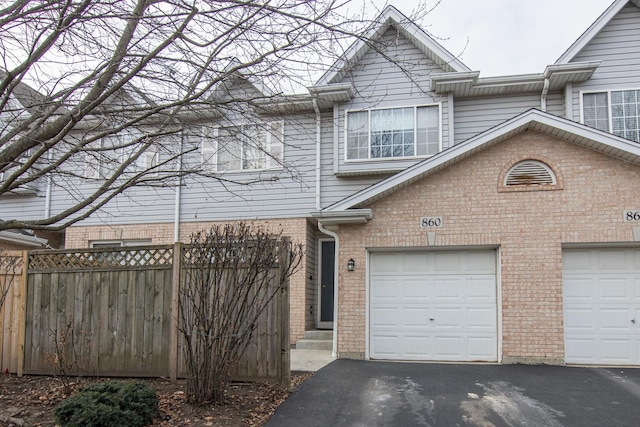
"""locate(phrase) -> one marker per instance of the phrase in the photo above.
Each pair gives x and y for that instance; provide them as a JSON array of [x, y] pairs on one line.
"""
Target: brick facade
[[529, 228], [159, 234]]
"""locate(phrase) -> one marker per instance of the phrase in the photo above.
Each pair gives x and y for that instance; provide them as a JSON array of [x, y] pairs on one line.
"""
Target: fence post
[[22, 312], [175, 311], [283, 308]]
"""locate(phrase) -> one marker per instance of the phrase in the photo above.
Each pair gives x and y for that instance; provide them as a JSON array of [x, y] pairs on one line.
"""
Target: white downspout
[[176, 208], [543, 97], [334, 351], [318, 139], [47, 199]]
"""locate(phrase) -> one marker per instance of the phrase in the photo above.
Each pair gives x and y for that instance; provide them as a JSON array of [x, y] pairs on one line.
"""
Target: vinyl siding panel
[[22, 207], [476, 115], [618, 47]]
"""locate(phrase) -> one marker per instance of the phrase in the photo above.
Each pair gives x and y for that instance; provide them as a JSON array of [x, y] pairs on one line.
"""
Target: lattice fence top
[[91, 259]]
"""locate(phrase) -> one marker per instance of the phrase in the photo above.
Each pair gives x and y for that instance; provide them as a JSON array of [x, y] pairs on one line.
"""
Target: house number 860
[[431, 221]]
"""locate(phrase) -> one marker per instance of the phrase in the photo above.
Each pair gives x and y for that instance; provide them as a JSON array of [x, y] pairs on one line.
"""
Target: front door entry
[[327, 276]]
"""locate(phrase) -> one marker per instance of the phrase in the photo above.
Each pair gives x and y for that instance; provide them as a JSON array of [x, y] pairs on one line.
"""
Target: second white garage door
[[601, 306], [433, 306]]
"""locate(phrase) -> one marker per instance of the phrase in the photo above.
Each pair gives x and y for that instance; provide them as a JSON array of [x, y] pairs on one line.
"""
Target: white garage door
[[433, 306], [601, 306]]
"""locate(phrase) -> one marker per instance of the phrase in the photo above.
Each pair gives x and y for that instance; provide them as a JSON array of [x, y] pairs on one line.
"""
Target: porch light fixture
[[351, 264]]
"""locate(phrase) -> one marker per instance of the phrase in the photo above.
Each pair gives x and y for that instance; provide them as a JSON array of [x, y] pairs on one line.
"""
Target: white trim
[[499, 301], [336, 322], [415, 132], [367, 306], [450, 118], [592, 31]]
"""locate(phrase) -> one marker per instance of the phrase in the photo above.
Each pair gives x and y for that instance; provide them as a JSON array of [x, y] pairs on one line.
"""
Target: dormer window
[[393, 133]]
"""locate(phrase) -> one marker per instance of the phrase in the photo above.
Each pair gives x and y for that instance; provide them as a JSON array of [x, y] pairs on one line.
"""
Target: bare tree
[[232, 274], [96, 95]]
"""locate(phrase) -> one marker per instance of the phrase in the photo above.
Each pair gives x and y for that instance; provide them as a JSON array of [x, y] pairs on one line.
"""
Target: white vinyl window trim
[[382, 133], [614, 111], [243, 148]]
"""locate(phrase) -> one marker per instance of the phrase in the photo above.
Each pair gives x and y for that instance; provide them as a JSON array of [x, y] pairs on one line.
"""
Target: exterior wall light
[[351, 264]]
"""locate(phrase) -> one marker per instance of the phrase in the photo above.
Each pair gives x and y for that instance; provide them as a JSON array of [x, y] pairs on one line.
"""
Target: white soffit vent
[[530, 172]]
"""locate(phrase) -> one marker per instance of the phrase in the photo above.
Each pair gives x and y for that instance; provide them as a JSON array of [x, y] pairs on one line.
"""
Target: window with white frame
[[244, 148], [616, 111], [393, 133]]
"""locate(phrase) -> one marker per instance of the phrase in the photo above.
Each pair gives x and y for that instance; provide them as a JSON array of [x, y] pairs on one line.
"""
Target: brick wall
[[528, 227], [159, 234]]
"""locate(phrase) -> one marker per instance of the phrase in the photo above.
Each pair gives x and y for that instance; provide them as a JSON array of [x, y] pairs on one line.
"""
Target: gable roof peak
[[390, 16], [595, 28]]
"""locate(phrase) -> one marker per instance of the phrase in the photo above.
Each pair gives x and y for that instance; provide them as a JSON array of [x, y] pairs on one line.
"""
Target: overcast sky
[[507, 36]]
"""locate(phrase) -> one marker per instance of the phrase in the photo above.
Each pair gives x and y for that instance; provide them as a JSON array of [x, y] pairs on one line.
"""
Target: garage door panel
[[385, 316], [481, 319], [615, 319], [611, 289], [616, 351], [480, 289], [448, 318], [414, 317], [580, 319], [601, 294], [439, 301], [481, 348]]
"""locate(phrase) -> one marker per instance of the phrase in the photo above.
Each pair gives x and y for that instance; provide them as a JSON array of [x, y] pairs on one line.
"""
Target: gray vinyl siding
[[618, 47], [397, 78], [555, 103], [288, 193], [476, 115], [22, 207], [334, 188]]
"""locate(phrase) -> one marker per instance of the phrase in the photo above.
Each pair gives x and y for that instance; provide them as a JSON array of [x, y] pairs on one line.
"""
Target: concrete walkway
[[309, 360], [364, 393]]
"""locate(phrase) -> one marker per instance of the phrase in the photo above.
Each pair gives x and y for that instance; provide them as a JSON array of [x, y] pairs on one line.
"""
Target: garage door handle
[[633, 321], [432, 319]]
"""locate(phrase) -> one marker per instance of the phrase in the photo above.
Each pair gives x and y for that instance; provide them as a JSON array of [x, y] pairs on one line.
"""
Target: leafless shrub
[[232, 274]]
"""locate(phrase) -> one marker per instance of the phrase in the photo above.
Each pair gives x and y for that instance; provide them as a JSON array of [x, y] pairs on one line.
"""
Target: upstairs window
[[393, 133], [617, 112], [244, 148]]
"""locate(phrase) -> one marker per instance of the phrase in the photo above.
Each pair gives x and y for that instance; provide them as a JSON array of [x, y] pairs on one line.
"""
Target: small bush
[[111, 403]]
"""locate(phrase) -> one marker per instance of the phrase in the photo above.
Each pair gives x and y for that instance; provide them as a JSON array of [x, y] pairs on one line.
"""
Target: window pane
[[229, 149], [625, 114], [596, 110], [357, 135], [428, 133], [254, 142]]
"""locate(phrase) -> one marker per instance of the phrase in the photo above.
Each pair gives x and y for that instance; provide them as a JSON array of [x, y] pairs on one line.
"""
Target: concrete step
[[314, 345], [318, 335]]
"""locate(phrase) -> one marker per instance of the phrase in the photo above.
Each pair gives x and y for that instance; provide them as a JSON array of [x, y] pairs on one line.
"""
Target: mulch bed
[[30, 401]]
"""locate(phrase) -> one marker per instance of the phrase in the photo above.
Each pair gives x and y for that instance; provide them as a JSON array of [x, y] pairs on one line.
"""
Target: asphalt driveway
[[361, 393]]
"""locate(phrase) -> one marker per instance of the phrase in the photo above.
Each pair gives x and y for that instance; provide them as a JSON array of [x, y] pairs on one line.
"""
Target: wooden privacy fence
[[114, 312]]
